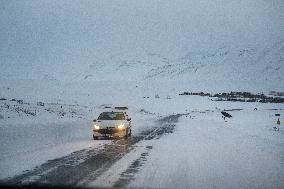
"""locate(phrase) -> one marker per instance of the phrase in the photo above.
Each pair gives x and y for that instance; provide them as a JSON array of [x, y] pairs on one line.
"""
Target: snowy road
[[82, 167]]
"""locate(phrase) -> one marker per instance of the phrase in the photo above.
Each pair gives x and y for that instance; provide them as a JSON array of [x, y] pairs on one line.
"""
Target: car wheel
[[95, 137]]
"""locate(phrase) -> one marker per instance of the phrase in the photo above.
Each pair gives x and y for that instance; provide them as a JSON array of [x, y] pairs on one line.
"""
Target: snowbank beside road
[[206, 152]]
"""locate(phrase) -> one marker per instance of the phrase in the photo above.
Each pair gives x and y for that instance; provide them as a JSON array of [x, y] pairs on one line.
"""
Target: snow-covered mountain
[[207, 43]]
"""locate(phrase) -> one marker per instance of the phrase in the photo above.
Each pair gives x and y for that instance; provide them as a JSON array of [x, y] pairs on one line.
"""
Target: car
[[112, 124]]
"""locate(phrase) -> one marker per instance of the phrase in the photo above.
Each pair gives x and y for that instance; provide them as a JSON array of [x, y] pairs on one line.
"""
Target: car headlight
[[96, 127], [121, 126]]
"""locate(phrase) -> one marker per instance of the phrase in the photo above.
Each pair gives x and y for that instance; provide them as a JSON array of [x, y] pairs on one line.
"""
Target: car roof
[[114, 112]]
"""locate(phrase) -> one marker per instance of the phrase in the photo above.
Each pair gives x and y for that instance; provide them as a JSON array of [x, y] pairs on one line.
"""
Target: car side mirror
[[129, 119], [94, 120]]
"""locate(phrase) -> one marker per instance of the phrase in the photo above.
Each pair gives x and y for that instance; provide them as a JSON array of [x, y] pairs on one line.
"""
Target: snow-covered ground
[[64, 126], [202, 149]]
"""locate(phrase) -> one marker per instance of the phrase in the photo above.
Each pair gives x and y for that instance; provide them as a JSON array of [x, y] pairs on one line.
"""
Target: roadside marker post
[[277, 127]]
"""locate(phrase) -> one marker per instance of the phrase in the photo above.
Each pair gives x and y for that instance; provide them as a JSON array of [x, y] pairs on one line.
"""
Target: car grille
[[108, 130]]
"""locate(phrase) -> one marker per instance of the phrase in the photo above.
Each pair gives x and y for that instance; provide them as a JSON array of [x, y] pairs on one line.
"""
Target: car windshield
[[111, 116]]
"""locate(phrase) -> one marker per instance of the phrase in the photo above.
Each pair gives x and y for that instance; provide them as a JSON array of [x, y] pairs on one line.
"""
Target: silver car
[[112, 124]]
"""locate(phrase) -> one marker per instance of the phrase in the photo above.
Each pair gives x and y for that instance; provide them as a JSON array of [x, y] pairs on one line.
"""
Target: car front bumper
[[114, 132]]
